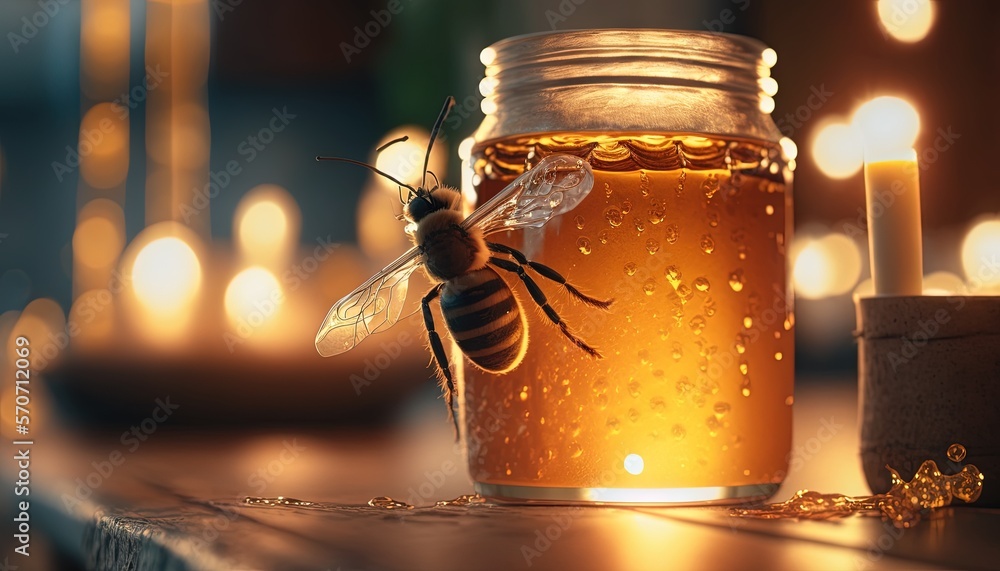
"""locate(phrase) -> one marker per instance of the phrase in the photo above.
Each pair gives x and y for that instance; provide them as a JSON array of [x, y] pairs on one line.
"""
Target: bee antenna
[[391, 143], [437, 182], [448, 104], [369, 167]]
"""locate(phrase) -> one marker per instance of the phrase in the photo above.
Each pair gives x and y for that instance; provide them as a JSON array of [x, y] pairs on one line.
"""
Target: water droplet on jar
[[657, 404], [769, 210], [583, 244], [707, 244], [524, 394], [671, 233], [713, 425], [614, 216], [679, 432], [649, 287], [673, 274], [644, 356], [713, 218], [626, 206], [745, 387], [709, 307], [574, 429], [710, 186], [744, 368], [579, 222], [603, 236], [607, 189], [652, 246], [684, 386], [640, 227], [633, 388], [614, 424], [702, 284], [631, 268], [741, 252], [697, 324], [657, 213], [678, 352], [602, 401], [685, 293], [956, 452], [680, 182], [575, 450], [741, 343], [633, 415], [790, 400], [748, 322], [778, 356], [736, 280], [721, 409]]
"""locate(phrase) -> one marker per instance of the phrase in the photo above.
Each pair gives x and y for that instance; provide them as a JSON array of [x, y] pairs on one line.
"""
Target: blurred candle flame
[[826, 266], [906, 20], [889, 126], [981, 257], [267, 222]]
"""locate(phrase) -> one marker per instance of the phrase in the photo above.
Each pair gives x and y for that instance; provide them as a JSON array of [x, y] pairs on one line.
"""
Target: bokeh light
[[837, 149], [166, 275], [405, 160], [889, 127], [253, 296], [826, 266], [981, 256], [266, 224], [943, 283], [906, 20], [100, 234]]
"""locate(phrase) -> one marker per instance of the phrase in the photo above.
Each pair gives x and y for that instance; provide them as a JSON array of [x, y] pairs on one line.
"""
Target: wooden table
[[175, 502]]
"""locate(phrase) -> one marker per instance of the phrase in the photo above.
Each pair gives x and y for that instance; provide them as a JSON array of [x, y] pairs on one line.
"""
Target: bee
[[481, 312]]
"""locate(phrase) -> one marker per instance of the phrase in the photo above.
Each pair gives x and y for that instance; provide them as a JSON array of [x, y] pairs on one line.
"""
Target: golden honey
[[687, 234], [685, 227]]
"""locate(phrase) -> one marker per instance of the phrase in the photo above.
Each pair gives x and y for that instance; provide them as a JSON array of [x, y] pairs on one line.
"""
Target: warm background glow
[[405, 160], [838, 150], [906, 20], [251, 297], [889, 126], [825, 266], [266, 226], [981, 256], [166, 275]]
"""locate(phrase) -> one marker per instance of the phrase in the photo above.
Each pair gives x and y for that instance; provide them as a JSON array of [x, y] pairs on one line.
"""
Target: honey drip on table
[[902, 505]]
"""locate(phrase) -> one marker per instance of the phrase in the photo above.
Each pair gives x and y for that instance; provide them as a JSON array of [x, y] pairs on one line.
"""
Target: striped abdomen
[[485, 320]]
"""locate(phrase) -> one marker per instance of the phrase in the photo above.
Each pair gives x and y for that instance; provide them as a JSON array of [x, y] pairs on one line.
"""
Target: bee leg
[[539, 296], [440, 357], [549, 273]]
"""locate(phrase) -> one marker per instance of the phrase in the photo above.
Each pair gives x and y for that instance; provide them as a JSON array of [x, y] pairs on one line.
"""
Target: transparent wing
[[554, 186], [374, 306]]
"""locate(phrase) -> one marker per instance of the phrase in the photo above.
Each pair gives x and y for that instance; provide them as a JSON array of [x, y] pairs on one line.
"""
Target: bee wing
[[374, 306], [554, 186]]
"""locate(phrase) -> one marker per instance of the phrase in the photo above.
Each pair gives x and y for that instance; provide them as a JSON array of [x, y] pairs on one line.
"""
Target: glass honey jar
[[685, 228]]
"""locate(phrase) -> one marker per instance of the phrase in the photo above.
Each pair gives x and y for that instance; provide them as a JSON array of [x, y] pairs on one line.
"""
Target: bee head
[[424, 202]]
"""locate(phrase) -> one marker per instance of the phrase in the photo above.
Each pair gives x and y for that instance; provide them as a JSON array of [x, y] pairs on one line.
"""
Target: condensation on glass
[[686, 228]]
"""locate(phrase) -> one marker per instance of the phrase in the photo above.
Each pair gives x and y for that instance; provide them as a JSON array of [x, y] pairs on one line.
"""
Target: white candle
[[892, 191]]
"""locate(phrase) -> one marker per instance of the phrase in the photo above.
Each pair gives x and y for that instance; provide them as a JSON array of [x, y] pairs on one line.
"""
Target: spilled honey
[[902, 505], [387, 503], [277, 501], [463, 500]]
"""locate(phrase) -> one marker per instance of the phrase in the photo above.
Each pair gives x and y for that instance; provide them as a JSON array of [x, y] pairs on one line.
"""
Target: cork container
[[929, 374]]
